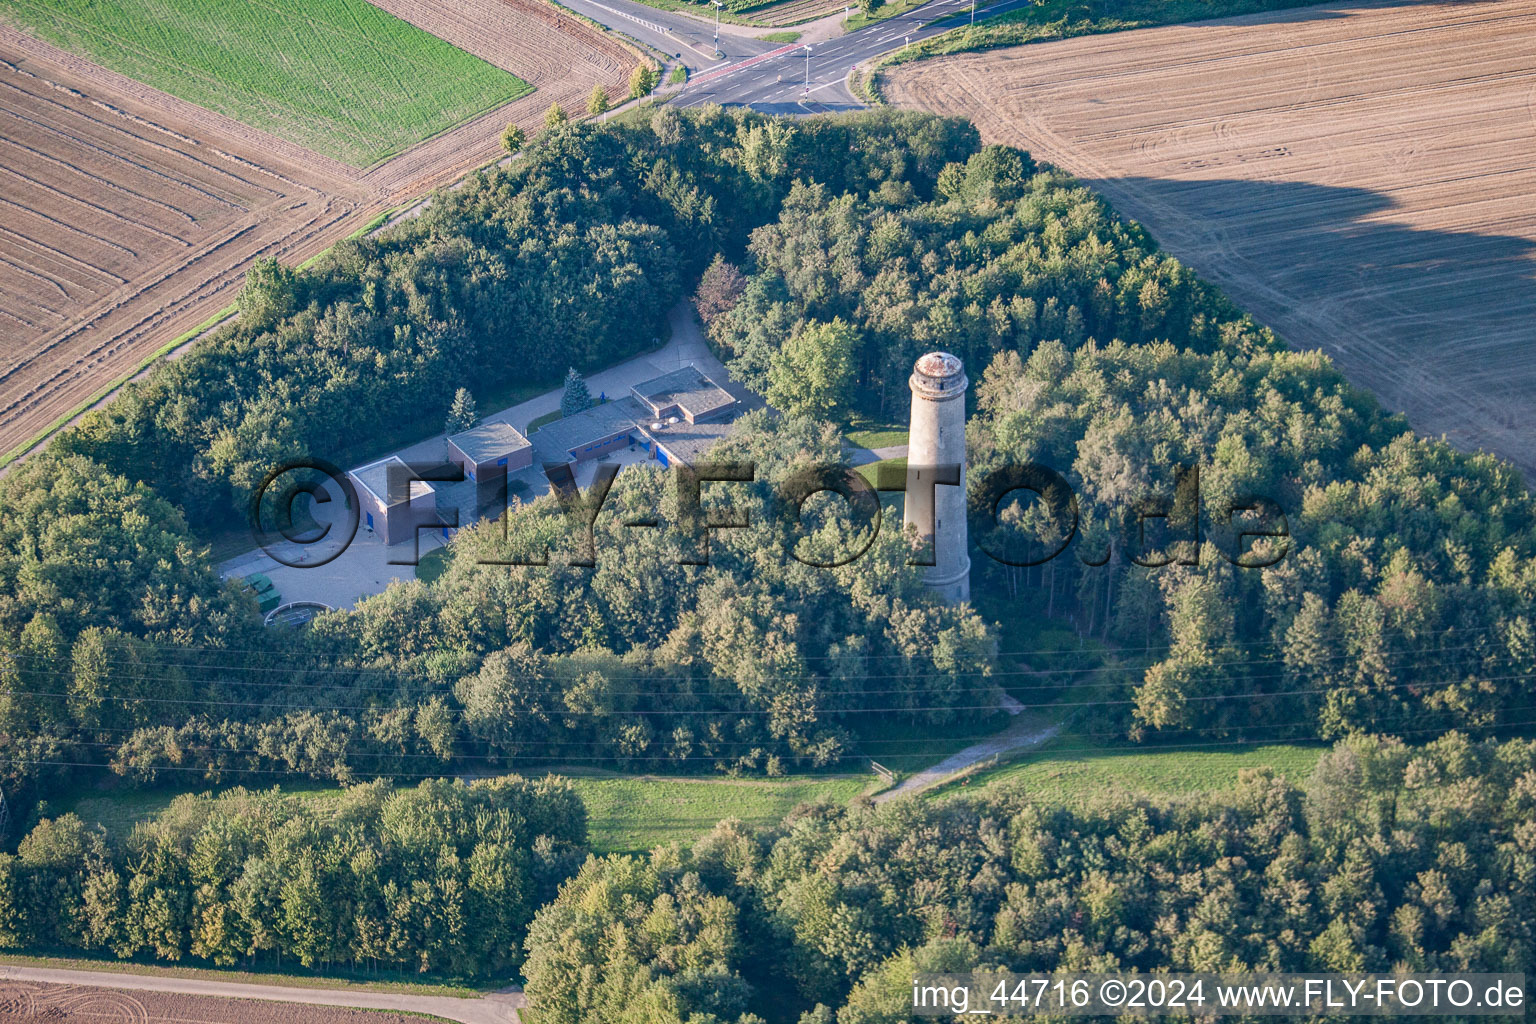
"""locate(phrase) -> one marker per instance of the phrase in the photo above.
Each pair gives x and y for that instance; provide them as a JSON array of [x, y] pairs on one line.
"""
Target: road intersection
[[774, 78]]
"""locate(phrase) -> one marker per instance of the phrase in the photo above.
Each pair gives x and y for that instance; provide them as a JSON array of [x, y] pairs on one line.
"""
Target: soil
[[1358, 177]]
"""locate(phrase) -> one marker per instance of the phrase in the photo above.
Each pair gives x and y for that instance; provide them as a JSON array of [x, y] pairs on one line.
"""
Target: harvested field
[[128, 216], [1357, 177], [343, 78], [795, 12], [530, 39], [28, 1002]]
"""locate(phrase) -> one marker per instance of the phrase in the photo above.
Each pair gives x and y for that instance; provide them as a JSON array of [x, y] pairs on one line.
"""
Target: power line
[[747, 745], [222, 770], [403, 679], [209, 702], [1054, 652]]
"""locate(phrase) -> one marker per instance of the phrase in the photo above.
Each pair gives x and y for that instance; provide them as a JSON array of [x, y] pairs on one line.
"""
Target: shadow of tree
[[1440, 324]]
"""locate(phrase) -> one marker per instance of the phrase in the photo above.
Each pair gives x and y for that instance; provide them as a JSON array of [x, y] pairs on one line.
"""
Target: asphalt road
[[790, 80], [772, 77], [692, 39]]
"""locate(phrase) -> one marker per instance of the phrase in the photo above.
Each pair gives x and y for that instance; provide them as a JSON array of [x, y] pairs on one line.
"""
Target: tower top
[[939, 375]]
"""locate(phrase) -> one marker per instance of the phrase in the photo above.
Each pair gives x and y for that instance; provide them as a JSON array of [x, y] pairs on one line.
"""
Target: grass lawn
[[874, 433], [625, 814], [538, 421], [870, 471], [905, 748], [341, 77], [887, 10], [1067, 772], [1045, 20], [633, 814], [781, 37], [432, 565]]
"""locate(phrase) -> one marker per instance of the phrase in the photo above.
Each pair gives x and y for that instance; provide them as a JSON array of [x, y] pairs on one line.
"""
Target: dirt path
[[498, 1008], [1025, 732]]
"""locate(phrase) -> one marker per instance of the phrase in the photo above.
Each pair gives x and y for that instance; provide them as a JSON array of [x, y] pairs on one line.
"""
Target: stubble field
[[1357, 177], [27, 1002], [343, 78], [129, 216]]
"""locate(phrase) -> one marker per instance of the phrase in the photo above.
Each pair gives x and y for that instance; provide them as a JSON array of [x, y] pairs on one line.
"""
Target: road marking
[[638, 21], [743, 65]]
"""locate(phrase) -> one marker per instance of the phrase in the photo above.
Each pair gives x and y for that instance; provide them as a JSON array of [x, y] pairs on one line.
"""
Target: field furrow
[[128, 216], [1358, 177]]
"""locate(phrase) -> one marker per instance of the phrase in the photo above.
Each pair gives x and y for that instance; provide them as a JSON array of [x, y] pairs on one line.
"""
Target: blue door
[[370, 520], [661, 455]]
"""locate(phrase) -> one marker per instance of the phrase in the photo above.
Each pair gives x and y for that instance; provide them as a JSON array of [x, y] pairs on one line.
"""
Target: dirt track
[[1360, 178], [128, 217], [29, 1003]]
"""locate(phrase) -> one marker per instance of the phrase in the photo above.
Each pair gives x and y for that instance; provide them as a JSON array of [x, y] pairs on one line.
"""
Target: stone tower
[[938, 440]]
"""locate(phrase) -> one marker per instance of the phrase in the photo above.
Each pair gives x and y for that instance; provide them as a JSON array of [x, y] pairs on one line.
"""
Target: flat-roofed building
[[391, 503], [589, 434], [685, 393], [674, 417], [484, 448]]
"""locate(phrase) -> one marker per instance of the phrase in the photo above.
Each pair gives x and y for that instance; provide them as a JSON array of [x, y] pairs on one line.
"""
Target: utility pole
[[718, 5], [807, 69], [973, 13]]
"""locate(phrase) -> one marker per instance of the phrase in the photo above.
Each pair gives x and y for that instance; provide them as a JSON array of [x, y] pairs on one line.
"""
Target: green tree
[[813, 373], [513, 138], [642, 80], [554, 117], [576, 398], [461, 414], [271, 292], [597, 100]]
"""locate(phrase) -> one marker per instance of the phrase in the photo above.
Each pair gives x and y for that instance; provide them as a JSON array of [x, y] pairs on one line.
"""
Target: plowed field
[[25, 1002], [1360, 178], [129, 216]]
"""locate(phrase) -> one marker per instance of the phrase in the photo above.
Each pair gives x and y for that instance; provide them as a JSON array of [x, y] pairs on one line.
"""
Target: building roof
[[490, 441], [554, 441], [374, 478], [688, 441], [686, 388], [939, 364]]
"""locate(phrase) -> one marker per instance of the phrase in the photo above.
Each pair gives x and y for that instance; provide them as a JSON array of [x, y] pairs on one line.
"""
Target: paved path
[[1024, 733], [864, 456], [496, 1008]]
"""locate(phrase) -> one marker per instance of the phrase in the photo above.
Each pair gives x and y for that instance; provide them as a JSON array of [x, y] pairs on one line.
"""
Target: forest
[[1391, 856], [847, 247], [441, 878], [824, 255]]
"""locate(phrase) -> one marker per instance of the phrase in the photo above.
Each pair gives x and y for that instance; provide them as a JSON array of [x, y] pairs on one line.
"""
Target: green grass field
[[1062, 772], [341, 77], [626, 814]]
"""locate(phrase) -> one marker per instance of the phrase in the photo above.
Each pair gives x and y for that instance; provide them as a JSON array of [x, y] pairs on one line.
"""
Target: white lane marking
[[638, 21], [743, 65]]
